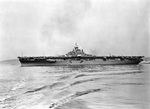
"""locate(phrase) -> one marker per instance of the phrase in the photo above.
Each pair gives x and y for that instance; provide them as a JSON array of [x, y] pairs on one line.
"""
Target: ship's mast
[[76, 46]]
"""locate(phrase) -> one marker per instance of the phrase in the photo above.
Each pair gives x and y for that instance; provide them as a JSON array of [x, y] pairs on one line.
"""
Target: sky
[[52, 27]]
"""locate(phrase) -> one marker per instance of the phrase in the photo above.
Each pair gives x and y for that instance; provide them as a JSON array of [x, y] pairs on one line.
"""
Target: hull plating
[[78, 57], [69, 62]]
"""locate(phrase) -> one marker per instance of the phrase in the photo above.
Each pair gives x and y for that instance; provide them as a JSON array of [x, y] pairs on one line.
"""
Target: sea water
[[73, 87]]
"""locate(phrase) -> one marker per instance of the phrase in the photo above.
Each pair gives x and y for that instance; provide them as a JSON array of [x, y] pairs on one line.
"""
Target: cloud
[[99, 26], [64, 19]]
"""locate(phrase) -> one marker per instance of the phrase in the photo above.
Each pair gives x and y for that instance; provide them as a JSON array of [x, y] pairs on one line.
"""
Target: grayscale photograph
[[74, 54]]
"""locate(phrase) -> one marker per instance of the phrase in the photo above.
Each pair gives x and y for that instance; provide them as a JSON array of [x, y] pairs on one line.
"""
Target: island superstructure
[[78, 57]]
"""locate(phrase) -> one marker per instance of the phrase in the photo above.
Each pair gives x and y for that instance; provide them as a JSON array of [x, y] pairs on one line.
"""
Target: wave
[[129, 84], [71, 97], [75, 104], [52, 86], [83, 81], [35, 90], [80, 75], [109, 73]]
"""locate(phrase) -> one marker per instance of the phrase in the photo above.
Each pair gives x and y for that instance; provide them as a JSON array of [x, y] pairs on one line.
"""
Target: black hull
[[79, 57], [77, 61]]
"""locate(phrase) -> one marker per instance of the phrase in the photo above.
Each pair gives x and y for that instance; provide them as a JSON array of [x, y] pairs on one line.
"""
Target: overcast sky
[[52, 27]]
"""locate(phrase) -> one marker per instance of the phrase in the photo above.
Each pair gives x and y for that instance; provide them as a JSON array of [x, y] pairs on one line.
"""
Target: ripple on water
[[72, 97], [52, 86], [75, 104]]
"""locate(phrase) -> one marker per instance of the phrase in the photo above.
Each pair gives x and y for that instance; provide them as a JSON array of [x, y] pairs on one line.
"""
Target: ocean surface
[[74, 87]]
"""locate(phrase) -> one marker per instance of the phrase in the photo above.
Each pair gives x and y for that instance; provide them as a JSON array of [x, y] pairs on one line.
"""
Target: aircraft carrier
[[78, 57]]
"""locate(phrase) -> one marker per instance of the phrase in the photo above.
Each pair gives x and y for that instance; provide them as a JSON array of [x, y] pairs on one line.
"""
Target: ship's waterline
[[72, 62]]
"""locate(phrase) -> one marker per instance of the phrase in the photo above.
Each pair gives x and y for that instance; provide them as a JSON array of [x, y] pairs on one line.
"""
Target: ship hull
[[79, 62], [78, 57]]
